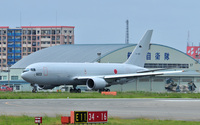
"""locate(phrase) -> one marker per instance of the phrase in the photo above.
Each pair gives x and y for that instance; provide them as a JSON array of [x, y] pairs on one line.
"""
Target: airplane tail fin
[[139, 53]]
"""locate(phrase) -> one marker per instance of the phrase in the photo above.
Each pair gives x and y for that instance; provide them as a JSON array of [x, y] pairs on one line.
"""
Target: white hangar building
[[158, 56]]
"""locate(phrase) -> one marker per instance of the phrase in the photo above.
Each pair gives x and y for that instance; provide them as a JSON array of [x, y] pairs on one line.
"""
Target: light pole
[[99, 54], [8, 75]]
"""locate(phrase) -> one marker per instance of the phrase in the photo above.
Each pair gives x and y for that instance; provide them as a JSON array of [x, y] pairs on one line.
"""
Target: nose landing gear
[[35, 88]]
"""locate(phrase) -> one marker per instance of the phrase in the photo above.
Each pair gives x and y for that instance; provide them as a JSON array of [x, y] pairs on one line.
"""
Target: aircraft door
[[45, 71]]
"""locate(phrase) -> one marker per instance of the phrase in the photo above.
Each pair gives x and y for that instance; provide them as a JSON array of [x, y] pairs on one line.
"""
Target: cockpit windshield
[[33, 69], [27, 69]]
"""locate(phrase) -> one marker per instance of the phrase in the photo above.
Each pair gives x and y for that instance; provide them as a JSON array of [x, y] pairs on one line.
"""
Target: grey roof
[[70, 53], [74, 53]]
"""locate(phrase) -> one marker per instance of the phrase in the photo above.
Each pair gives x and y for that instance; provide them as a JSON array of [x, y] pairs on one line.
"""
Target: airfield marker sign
[[81, 117], [38, 120], [97, 116]]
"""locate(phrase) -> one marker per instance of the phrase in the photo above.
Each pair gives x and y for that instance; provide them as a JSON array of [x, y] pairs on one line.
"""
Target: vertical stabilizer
[[139, 53]]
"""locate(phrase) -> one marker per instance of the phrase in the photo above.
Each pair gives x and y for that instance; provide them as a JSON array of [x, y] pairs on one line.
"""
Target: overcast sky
[[103, 21]]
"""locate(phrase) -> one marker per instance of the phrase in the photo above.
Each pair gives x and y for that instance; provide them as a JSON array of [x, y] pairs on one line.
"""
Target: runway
[[168, 109]]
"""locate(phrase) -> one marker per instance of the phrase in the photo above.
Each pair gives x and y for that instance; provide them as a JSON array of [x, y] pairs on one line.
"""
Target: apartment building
[[16, 43]]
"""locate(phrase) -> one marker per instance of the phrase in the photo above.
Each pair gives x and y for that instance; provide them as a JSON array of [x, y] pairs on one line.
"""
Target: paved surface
[[170, 109]]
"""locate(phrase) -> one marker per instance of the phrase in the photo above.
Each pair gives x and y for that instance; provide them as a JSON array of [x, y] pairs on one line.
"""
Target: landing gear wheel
[[107, 90], [104, 90], [78, 90], [33, 91], [34, 88], [74, 90], [100, 90], [71, 90]]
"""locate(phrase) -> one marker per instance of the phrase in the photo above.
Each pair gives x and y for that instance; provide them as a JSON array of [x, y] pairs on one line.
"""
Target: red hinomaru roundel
[[115, 71]]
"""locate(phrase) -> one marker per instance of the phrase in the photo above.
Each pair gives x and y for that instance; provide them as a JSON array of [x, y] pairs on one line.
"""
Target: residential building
[[16, 43]]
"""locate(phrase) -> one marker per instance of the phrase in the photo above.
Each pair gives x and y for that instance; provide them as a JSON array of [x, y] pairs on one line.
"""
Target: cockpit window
[[26, 70], [33, 69]]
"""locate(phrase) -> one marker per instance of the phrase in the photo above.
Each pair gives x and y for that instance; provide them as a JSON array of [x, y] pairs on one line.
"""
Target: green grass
[[51, 95], [26, 120]]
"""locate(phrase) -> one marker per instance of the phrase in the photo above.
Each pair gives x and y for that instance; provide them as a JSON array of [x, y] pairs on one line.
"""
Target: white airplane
[[96, 76]]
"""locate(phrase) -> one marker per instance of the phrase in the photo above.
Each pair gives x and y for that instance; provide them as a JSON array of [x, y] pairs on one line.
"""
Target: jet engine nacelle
[[96, 83]]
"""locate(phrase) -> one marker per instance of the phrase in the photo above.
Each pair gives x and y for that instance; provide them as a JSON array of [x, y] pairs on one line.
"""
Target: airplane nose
[[25, 76], [28, 77]]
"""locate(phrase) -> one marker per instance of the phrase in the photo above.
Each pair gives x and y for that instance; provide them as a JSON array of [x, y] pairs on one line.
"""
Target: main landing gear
[[74, 90], [104, 90]]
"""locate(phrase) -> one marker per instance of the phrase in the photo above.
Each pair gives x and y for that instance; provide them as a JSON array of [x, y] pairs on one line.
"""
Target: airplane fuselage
[[65, 73]]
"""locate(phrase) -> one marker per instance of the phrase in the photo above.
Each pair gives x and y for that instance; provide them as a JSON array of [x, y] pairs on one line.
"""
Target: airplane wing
[[133, 75], [140, 74], [151, 70]]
